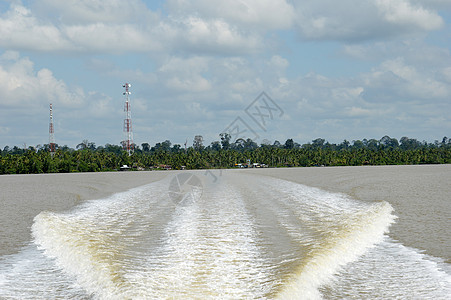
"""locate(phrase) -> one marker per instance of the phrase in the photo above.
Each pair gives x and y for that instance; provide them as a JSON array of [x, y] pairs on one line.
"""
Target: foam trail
[[341, 231], [31, 275], [202, 248], [93, 242], [241, 237], [209, 251], [395, 272], [324, 261]]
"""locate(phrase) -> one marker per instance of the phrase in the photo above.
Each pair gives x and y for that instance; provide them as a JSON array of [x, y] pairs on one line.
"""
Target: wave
[[343, 229], [394, 272], [238, 237], [97, 241]]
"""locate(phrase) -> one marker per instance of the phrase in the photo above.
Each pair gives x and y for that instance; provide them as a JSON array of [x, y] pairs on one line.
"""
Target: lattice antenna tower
[[52, 145], [128, 143]]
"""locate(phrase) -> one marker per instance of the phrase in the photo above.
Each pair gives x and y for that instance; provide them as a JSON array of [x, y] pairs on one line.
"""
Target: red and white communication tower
[[52, 145], [128, 143]]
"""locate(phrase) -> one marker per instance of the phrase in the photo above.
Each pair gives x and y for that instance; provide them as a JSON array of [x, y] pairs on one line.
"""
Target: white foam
[[29, 274], [221, 243], [393, 271], [342, 230], [89, 241], [208, 251]]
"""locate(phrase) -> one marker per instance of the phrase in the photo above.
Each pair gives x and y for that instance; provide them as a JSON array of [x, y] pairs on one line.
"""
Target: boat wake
[[242, 236]]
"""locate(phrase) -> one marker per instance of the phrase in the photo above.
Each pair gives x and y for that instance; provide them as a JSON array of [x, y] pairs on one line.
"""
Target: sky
[[261, 69]]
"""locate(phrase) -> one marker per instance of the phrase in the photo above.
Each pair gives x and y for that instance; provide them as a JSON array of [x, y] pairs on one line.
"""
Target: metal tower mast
[[128, 143], [52, 144]]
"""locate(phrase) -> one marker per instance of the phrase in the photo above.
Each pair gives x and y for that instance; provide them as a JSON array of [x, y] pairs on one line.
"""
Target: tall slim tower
[[52, 144], [128, 143]]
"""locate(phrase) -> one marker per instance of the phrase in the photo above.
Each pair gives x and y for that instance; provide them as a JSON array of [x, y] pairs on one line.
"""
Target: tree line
[[224, 153]]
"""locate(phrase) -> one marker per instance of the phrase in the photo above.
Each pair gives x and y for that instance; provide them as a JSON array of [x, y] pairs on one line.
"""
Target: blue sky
[[353, 70]]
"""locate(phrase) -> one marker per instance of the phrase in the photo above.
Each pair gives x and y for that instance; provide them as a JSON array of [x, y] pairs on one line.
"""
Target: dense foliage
[[224, 154]]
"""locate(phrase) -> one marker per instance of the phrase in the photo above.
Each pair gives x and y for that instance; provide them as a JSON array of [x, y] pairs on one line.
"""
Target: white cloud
[[399, 81], [413, 50], [278, 62], [447, 74], [215, 27], [25, 93], [434, 4], [202, 60], [196, 110], [403, 13], [358, 112], [100, 105], [4, 130], [100, 37], [114, 27], [19, 29], [22, 86], [193, 84], [194, 34], [76, 12], [185, 74], [255, 14], [238, 78], [351, 20]]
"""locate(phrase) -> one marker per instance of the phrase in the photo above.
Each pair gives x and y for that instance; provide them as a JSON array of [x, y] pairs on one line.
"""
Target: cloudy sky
[[349, 70]]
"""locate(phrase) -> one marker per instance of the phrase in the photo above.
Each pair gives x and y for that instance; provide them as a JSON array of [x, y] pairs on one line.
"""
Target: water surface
[[232, 234]]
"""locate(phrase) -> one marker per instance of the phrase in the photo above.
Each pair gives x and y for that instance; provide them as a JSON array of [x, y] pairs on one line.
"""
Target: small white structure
[[124, 168]]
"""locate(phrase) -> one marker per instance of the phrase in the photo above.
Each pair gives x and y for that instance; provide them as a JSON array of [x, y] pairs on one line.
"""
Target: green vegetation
[[224, 154]]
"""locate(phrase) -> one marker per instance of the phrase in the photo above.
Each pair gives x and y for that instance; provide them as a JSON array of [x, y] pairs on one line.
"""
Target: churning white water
[[239, 236]]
